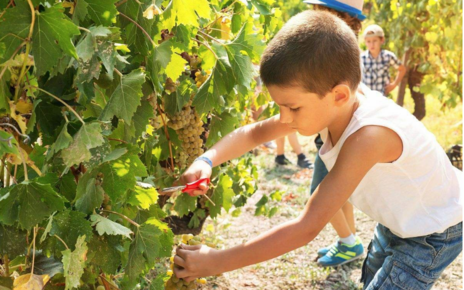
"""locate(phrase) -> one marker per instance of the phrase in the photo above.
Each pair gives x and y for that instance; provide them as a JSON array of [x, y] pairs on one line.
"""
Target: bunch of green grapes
[[201, 77], [190, 135], [175, 283], [181, 119]]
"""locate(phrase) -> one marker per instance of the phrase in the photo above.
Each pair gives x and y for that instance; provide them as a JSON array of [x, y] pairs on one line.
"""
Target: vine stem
[[207, 46], [59, 100], [7, 265], [121, 215], [24, 163], [84, 29], [33, 251], [140, 27], [26, 55], [206, 34], [61, 240], [167, 136], [12, 56]]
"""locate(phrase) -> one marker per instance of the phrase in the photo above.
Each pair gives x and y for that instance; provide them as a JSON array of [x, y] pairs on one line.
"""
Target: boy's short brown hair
[[315, 50]]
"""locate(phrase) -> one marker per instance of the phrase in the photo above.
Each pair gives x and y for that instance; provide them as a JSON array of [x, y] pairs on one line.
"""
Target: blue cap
[[342, 7]]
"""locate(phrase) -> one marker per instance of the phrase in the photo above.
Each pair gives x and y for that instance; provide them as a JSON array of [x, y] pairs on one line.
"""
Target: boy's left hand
[[196, 261], [390, 87]]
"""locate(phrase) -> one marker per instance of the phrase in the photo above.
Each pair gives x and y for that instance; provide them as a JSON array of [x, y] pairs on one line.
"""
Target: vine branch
[[167, 136], [140, 27], [59, 100], [123, 216]]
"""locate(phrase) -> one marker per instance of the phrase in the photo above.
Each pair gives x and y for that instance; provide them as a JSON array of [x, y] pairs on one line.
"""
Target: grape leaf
[[29, 203], [109, 227], [69, 225], [48, 41], [12, 241], [88, 137], [185, 204], [222, 197], [125, 98], [141, 119], [220, 127], [145, 248], [74, 263], [104, 253], [89, 194], [62, 142], [12, 35], [143, 197], [8, 146], [102, 12], [174, 102], [175, 67], [185, 12]]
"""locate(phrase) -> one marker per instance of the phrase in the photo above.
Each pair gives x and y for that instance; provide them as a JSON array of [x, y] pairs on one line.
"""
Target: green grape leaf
[[12, 241], [80, 11], [89, 194], [175, 67], [222, 196], [74, 263], [185, 12], [185, 203], [125, 98], [141, 118], [89, 136], [69, 225], [109, 227], [145, 248], [220, 127], [143, 197], [174, 102], [62, 142], [29, 203], [104, 253], [102, 12], [12, 35], [119, 175], [48, 41]]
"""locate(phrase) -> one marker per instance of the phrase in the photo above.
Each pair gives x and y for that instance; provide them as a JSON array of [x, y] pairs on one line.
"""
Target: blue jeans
[[320, 171], [410, 264]]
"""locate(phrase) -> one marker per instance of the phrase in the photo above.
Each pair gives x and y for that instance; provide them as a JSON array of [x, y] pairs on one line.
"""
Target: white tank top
[[416, 195]]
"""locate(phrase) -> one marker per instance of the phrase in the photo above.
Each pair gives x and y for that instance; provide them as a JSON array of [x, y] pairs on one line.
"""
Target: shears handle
[[195, 184]]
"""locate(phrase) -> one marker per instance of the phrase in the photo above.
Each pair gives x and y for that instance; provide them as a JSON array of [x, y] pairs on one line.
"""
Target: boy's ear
[[342, 94]]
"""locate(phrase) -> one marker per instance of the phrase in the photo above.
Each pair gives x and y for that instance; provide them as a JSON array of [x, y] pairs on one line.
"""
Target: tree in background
[[428, 34]]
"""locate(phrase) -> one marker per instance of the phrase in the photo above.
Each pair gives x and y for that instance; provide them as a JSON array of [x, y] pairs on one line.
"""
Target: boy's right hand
[[199, 169]]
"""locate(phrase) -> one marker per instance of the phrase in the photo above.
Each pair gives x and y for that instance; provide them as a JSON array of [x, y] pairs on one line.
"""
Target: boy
[[378, 156], [377, 62]]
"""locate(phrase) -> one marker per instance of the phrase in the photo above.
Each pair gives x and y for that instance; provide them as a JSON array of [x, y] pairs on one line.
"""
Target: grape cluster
[[201, 77], [189, 127], [175, 283]]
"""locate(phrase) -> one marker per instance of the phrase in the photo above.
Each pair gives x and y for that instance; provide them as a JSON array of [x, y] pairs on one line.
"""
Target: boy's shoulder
[[388, 53]]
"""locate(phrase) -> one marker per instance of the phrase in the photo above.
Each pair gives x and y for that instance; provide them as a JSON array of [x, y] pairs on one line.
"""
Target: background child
[[377, 62], [377, 154], [280, 159]]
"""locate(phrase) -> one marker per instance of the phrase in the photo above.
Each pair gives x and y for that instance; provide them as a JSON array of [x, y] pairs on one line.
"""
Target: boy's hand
[[195, 262], [390, 87], [199, 169]]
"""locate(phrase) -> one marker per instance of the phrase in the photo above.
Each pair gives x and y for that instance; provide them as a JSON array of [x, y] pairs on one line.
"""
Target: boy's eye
[[294, 109]]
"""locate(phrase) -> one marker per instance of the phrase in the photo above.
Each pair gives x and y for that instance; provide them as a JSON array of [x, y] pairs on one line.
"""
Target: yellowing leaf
[[23, 107], [30, 282], [175, 67], [69, 5], [18, 118]]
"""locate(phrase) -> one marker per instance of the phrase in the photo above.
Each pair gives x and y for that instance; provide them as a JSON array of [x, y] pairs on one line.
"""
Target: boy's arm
[[234, 145], [361, 151], [399, 76]]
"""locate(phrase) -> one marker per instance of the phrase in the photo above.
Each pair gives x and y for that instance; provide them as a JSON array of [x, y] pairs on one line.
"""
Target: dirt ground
[[297, 269]]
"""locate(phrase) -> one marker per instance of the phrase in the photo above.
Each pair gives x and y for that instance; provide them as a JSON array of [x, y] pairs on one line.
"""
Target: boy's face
[[306, 112], [374, 43]]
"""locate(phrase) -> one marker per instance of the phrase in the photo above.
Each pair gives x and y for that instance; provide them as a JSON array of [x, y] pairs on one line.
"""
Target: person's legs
[[280, 158], [412, 263], [349, 216], [302, 162]]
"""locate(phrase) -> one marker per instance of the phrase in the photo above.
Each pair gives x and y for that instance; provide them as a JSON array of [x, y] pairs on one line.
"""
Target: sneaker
[[303, 162], [323, 251], [270, 145], [282, 160], [341, 253]]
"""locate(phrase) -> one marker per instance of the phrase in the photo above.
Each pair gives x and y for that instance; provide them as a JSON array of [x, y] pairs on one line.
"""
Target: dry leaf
[[24, 107], [151, 11], [30, 282]]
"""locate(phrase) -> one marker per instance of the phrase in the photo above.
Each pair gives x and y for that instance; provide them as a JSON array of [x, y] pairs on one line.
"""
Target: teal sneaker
[[323, 251], [341, 253]]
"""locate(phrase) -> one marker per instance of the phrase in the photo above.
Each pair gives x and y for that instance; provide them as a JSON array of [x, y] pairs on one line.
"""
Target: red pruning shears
[[188, 187]]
